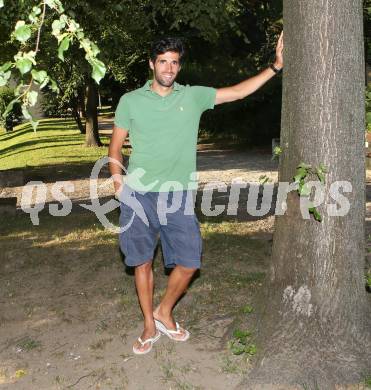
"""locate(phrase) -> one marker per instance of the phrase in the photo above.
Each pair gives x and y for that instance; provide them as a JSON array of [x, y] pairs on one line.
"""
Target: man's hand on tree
[[278, 63]]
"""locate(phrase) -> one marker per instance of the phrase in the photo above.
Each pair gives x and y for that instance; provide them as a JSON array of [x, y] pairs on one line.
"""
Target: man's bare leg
[[177, 284], [144, 285]]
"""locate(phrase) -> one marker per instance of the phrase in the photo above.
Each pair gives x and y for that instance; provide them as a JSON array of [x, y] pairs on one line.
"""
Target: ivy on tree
[[302, 172]]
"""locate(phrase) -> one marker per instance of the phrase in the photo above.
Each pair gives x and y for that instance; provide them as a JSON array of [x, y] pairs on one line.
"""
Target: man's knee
[[145, 267], [187, 271]]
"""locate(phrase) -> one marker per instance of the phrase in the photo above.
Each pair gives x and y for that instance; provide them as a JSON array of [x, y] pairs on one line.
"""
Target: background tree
[[227, 41], [65, 29], [316, 322]]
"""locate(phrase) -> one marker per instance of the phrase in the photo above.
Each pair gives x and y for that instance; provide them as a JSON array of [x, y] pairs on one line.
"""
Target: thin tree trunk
[[9, 123], [76, 116], [316, 320], [92, 135], [81, 99]]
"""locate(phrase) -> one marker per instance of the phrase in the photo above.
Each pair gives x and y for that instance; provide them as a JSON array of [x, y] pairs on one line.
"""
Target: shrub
[[15, 115], [53, 105]]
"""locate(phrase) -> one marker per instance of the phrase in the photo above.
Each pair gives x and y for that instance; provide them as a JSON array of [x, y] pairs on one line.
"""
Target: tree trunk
[[9, 123], [315, 327], [92, 135], [76, 116], [81, 99]]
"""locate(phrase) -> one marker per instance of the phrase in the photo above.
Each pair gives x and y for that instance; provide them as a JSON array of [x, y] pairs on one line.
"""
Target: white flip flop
[[170, 333], [151, 340]]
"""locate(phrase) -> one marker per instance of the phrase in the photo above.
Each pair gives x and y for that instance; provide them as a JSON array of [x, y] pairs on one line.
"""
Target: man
[[162, 121]]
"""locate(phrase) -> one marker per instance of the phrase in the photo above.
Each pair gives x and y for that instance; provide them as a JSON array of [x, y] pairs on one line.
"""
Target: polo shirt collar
[[147, 86]]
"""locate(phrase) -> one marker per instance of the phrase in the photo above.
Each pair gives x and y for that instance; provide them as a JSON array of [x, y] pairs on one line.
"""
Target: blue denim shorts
[[169, 216]]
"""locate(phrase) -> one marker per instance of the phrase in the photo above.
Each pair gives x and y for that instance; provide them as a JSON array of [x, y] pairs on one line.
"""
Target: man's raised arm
[[247, 87]]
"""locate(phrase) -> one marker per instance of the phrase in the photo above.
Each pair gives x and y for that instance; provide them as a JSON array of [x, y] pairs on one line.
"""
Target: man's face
[[166, 68]]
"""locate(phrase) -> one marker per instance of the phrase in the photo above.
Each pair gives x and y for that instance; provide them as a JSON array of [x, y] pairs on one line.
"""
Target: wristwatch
[[275, 70]]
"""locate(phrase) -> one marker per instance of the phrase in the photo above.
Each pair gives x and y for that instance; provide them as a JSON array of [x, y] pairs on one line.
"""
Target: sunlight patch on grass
[[56, 141]]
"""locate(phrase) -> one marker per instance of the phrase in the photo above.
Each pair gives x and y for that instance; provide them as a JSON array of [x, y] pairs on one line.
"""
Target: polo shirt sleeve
[[204, 97], [122, 114]]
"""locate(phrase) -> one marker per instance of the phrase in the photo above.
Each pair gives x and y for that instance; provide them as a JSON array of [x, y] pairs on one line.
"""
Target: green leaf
[[263, 179], [54, 86], [32, 17], [18, 88], [73, 26], [95, 49], [36, 10], [368, 279], [247, 309], [304, 190], [320, 175], [56, 4], [64, 45], [9, 108], [317, 216], [277, 151], [368, 117], [34, 124], [39, 75], [57, 26], [301, 173], [99, 70], [28, 116], [85, 44], [30, 55], [238, 349], [44, 83], [64, 18], [24, 65], [304, 165], [4, 67], [240, 334], [32, 98], [251, 349], [4, 78], [22, 31], [25, 112]]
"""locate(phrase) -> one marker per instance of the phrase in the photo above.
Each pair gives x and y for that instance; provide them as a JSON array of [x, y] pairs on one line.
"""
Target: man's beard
[[165, 82]]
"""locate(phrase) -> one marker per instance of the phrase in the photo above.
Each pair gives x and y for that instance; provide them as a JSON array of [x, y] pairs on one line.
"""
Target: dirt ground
[[69, 311]]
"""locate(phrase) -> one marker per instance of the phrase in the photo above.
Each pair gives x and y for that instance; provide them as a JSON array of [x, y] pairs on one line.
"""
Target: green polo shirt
[[163, 135]]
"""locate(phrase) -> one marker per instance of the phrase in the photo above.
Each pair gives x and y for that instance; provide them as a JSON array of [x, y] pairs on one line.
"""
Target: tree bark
[[92, 134], [76, 116], [315, 326], [81, 99], [9, 123]]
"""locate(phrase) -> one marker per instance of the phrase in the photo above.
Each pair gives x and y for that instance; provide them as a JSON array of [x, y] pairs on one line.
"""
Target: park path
[[215, 164]]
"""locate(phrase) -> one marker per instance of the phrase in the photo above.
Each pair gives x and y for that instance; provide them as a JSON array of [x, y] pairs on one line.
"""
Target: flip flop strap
[[151, 339], [177, 331]]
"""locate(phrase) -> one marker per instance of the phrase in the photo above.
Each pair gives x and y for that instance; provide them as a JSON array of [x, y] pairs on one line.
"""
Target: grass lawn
[[57, 141]]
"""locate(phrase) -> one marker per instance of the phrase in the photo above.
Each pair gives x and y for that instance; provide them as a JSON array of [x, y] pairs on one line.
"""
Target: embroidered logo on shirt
[[181, 108]]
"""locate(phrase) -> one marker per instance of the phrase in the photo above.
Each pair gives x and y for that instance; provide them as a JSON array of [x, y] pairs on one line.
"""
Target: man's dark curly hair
[[163, 45]]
